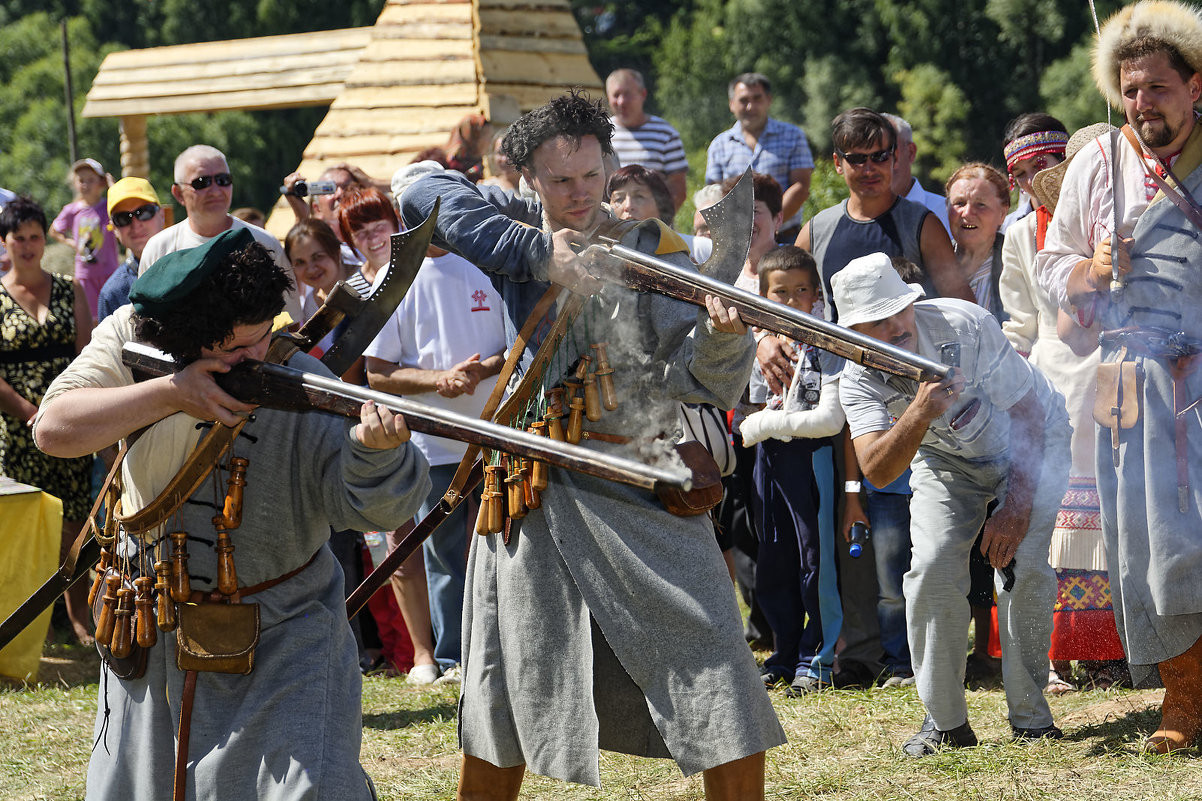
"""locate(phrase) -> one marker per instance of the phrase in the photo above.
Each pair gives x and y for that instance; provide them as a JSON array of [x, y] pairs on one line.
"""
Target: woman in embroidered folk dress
[[44, 322]]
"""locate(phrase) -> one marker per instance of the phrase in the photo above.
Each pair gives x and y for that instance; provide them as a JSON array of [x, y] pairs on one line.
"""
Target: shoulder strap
[[1180, 196]]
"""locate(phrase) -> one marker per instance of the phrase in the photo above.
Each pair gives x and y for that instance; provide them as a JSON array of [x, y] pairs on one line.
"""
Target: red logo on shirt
[[480, 296]]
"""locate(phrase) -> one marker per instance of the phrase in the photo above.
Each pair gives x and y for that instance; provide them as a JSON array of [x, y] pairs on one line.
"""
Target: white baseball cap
[[869, 289]]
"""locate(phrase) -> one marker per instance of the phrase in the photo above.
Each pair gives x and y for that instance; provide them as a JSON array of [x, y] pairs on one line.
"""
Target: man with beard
[[1122, 251], [606, 622]]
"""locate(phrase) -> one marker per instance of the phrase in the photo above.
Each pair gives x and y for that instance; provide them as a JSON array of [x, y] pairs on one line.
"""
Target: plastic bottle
[[859, 538]]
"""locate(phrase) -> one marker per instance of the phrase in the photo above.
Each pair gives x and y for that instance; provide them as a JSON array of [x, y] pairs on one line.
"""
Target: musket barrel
[[278, 387], [646, 272]]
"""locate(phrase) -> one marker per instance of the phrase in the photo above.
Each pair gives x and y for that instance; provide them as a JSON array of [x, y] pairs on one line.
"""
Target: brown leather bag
[[706, 491], [1120, 387], [217, 637]]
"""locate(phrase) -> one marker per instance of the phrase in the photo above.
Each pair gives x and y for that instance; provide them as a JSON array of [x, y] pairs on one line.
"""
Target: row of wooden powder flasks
[[125, 616], [588, 392]]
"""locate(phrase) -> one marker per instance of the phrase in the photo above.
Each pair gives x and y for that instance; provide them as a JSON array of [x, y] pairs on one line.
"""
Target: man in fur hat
[[1122, 252]]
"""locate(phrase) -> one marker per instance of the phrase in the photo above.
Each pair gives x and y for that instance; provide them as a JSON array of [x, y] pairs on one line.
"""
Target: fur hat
[[1177, 24]]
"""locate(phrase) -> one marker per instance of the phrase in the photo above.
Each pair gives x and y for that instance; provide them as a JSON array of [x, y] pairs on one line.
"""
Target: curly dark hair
[[246, 289], [572, 116], [19, 211]]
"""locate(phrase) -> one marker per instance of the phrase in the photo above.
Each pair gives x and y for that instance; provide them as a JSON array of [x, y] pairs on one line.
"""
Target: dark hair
[[359, 206], [861, 127], [1029, 123], [764, 188], [19, 211], [1144, 46], [317, 230], [638, 174], [787, 257], [910, 272], [572, 116], [750, 80], [246, 289]]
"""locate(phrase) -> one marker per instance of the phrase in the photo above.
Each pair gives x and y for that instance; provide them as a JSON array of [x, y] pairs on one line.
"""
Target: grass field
[[843, 746]]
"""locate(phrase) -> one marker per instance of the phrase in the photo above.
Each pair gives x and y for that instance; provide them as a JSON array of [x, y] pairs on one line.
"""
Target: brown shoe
[[1181, 712]]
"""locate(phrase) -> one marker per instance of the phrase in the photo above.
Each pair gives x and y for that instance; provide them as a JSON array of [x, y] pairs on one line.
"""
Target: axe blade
[[367, 316], [730, 229]]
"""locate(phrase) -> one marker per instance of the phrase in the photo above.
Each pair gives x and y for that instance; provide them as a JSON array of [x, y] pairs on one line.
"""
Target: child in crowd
[[795, 576], [83, 225]]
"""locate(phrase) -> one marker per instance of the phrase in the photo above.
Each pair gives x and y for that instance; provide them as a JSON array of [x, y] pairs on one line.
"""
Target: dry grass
[[843, 746]]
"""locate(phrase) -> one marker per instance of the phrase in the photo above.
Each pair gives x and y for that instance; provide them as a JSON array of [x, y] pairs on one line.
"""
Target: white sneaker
[[453, 675], [423, 674]]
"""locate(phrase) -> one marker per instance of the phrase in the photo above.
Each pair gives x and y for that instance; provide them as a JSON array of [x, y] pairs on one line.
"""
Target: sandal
[[1058, 685]]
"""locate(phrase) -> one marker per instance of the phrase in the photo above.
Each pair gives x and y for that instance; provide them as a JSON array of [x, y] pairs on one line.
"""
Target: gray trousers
[[947, 511]]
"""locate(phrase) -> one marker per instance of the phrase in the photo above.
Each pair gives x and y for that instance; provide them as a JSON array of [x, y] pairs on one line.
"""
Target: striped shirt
[[655, 145]]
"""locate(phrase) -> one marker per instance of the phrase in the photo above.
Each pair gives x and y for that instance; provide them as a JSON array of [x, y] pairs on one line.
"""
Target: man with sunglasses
[[204, 187], [134, 216]]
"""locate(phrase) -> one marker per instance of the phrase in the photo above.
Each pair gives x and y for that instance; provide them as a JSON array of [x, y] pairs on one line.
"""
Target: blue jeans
[[889, 517], [445, 555]]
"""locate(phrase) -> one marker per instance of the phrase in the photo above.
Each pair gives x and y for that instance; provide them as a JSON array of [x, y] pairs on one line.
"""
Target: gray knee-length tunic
[[607, 622], [292, 728]]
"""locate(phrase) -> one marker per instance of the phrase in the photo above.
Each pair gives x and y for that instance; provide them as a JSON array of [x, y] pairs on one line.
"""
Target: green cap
[[174, 276]]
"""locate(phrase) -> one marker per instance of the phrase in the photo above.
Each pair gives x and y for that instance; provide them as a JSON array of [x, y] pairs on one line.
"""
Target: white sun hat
[[869, 289]]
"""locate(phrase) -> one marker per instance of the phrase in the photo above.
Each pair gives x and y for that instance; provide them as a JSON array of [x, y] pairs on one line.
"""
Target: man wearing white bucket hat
[[958, 436]]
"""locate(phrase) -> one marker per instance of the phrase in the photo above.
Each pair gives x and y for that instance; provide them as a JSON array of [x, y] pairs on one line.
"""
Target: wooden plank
[[360, 147], [400, 73], [298, 44], [418, 49], [425, 12], [530, 95], [426, 30], [532, 44], [259, 81], [548, 68], [392, 120], [250, 100], [528, 22], [339, 62], [416, 95], [541, 5]]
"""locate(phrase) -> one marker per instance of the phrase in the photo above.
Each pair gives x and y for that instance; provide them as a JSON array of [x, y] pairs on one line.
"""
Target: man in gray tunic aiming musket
[[1123, 254], [606, 621]]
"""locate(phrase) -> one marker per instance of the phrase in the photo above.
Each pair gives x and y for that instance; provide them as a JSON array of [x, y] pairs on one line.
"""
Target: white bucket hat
[[410, 173], [868, 289]]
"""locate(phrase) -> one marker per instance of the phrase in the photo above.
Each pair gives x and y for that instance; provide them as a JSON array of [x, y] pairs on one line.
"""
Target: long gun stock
[[640, 271], [275, 386]]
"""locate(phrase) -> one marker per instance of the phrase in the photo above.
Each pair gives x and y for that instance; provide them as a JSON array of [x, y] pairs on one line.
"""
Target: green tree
[[938, 111]]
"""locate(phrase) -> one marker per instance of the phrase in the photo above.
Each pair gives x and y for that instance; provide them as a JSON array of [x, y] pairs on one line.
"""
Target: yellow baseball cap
[[126, 188]]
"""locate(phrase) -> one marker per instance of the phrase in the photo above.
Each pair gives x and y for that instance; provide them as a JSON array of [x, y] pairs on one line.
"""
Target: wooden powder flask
[[515, 490], [181, 582], [227, 576], [554, 414], [482, 514], [144, 603], [605, 377], [106, 559], [493, 498], [538, 470], [112, 503], [232, 511], [108, 618], [165, 613], [122, 642], [592, 397]]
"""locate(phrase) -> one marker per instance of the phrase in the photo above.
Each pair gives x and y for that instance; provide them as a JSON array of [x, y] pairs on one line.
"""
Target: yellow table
[[31, 525]]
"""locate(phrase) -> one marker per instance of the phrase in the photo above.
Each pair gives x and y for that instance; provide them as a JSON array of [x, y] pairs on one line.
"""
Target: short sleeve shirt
[[780, 149], [655, 145], [996, 378]]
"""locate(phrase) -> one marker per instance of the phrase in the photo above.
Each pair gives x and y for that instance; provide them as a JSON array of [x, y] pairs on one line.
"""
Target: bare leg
[[409, 586], [740, 780], [76, 597], [484, 781]]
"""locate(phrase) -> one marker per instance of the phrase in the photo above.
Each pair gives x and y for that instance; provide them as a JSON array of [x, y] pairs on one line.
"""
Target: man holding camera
[[959, 436]]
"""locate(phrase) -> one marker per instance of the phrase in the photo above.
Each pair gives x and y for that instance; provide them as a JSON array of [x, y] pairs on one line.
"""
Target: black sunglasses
[[204, 181], [857, 159], [143, 213]]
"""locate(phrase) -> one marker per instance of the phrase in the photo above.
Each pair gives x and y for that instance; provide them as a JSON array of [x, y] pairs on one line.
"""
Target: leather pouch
[[217, 637], [1120, 386], [706, 492]]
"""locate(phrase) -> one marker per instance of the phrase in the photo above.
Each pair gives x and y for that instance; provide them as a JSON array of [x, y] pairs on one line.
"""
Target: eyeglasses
[[143, 213], [205, 181], [858, 159]]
